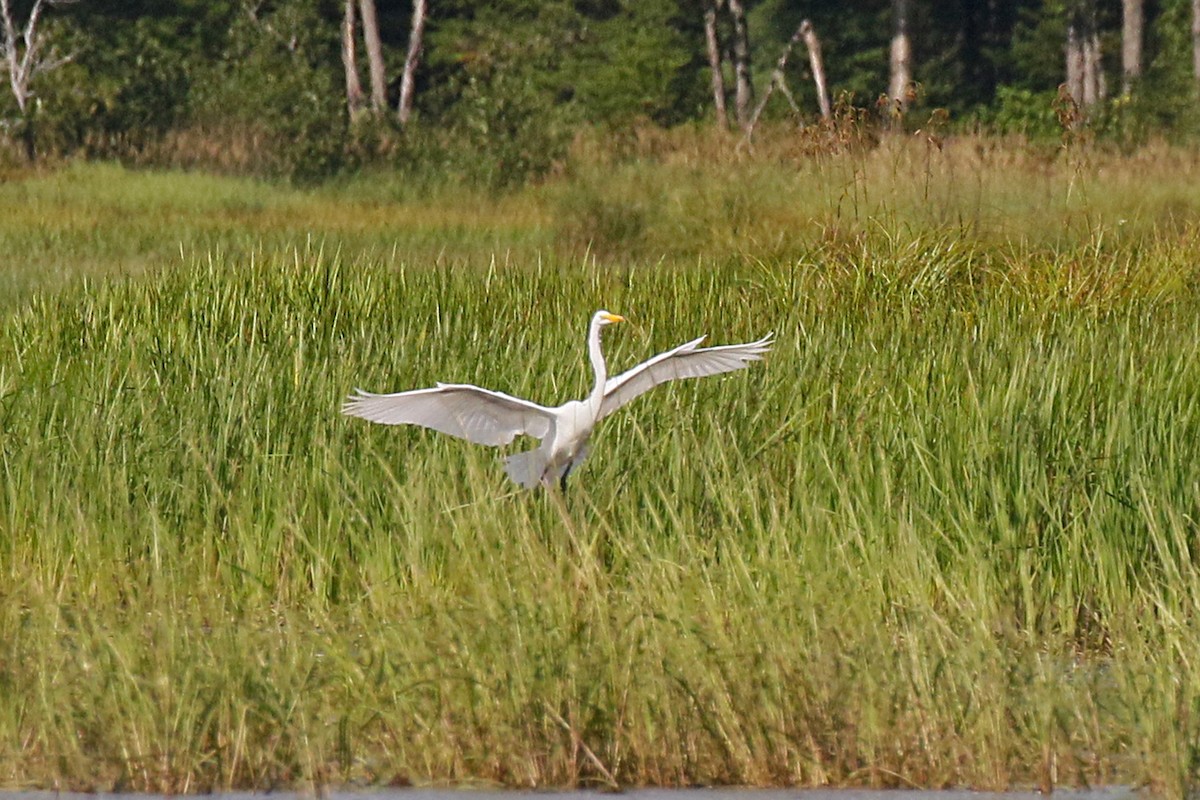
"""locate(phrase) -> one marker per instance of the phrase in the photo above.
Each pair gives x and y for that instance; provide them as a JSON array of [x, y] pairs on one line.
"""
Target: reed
[[944, 536]]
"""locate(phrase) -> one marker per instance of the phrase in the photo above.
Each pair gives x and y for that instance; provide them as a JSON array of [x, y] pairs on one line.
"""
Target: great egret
[[494, 418]]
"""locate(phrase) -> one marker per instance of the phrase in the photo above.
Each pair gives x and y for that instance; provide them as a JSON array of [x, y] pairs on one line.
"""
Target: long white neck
[[598, 366]]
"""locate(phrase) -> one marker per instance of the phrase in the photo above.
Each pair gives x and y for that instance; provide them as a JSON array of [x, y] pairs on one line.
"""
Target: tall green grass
[[101, 220], [943, 536], [1034, 215]]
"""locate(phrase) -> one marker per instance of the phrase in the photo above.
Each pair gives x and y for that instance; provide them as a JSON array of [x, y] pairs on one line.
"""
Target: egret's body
[[494, 418]]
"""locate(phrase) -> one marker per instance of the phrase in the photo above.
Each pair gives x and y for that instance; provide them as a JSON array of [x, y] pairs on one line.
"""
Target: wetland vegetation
[[945, 536]]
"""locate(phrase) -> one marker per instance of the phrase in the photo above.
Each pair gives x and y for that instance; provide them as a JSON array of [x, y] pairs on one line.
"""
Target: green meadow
[[946, 534]]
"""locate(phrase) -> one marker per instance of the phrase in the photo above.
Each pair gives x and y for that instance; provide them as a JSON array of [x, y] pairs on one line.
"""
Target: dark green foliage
[[509, 81], [1165, 100], [281, 77], [133, 68], [854, 47], [639, 59], [501, 90], [1024, 112], [1037, 47], [504, 87]]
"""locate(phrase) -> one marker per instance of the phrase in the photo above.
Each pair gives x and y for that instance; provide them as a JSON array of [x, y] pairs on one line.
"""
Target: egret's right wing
[[468, 412]]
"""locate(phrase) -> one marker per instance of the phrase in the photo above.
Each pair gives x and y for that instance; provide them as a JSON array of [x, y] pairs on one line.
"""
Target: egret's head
[[607, 318]]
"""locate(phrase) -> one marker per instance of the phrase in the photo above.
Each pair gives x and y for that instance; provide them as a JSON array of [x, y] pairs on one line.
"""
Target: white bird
[[494, 418]]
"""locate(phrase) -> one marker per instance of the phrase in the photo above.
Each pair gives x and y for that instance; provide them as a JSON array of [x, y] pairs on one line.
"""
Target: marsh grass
[[101, 220], [944, 536]]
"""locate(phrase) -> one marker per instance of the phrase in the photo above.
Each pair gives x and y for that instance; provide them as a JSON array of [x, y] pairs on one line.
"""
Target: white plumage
[[494, 418]]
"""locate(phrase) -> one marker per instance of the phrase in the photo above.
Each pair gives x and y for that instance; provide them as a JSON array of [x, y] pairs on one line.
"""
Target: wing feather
[[688, 360], [468, 412]]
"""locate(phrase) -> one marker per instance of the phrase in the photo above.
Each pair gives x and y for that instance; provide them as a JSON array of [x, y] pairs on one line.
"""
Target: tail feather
[[526, 468]]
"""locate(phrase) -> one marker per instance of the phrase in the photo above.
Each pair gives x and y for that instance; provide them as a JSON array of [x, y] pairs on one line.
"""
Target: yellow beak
[[614, 318]]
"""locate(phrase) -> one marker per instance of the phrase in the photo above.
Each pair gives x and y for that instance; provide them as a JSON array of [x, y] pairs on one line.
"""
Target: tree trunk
[[1094, 87], [744, 89], [370, 24], [1085, 74], [818, 66], [23, 66], [1077, 59], [354, 92], [900, 61], [1131, 44], [29, 140], [416, 42], [18, 72], [1196, 39], [713, 45]]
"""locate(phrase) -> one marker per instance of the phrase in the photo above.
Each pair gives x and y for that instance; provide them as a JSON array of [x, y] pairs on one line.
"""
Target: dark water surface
[[1107, 793]]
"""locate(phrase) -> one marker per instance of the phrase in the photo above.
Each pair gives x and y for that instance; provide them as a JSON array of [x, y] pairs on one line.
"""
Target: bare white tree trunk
[[713, 46], [416, 42], [900, 61], [1085, 73], [1131, 43], [354, 93], [23, 59], [1094, 87], [743, 89], [818, 66], [370, 24], [1075, 59], [21, 51], [12, 60]]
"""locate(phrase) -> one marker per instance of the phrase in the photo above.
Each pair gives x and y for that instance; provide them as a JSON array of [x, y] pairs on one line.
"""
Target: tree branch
[[778, 81]]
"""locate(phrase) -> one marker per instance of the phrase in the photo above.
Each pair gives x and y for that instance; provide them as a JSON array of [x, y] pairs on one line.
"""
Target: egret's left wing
[[686, 361]]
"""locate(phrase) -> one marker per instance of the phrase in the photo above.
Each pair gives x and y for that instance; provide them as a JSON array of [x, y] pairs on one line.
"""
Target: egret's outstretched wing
[[477, 415], [686, 361]]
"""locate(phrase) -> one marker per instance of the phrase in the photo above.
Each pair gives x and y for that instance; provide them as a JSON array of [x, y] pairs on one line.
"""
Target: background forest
[[498, 90]]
